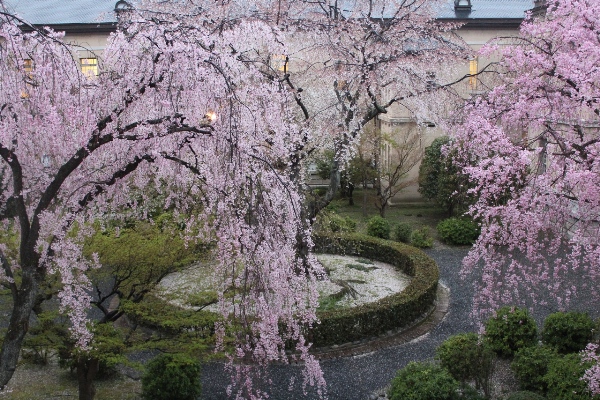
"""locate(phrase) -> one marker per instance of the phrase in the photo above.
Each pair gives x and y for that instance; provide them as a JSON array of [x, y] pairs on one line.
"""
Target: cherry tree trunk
[[19, 324], [86, 372]]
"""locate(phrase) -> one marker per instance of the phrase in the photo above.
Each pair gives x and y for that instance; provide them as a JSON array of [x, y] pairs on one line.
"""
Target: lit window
[[280, 62], [28, 66], [89, 66], [473, 72]]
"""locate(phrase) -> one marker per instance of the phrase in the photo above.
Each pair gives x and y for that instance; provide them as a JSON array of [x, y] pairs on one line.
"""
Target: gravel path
[[356, 378]]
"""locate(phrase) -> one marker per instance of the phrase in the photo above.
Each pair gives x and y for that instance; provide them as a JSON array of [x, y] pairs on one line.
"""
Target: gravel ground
[[356, 378]]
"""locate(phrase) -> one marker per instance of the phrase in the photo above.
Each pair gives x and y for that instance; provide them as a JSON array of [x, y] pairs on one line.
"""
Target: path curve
[[357, 377]]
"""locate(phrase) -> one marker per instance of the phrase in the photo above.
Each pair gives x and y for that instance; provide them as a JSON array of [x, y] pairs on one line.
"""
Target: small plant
[[568, 332], [360, 267], [423, 381], [510, 330], [564, 379], [531, 365], [421, 238], [402, 232], [467, 358], [378, 227], [171, 376], [458, 231], [330, 221]]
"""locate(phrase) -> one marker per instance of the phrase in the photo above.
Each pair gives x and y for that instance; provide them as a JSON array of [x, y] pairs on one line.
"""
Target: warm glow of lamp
[[211, 116]]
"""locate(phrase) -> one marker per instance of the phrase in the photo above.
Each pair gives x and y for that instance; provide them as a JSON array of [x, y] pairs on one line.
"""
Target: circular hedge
[[373, 319]]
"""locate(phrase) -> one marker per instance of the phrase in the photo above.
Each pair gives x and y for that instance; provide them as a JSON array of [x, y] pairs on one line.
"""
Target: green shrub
[[525, 395], [337, 223], [422, 381], [467, 358], [568, 332], [171, 376], [421, 238], [345, 325], [510, 330], [531, 365], [378, 227], [564, 379], [402, 232], [458, 231]]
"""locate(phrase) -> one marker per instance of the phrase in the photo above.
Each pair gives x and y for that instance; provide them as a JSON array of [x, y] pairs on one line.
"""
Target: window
[[280, 62], [89, 66], [473, 71], [28, 66], [430, 82]]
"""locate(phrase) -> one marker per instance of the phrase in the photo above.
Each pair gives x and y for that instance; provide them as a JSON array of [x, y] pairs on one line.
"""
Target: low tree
[[440, 179], [403, 151]]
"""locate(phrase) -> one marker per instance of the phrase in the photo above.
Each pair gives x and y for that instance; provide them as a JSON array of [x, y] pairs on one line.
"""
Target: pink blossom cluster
[[530, 147]]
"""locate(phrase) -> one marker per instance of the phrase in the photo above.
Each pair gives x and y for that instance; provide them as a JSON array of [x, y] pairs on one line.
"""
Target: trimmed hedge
[[395, 311]]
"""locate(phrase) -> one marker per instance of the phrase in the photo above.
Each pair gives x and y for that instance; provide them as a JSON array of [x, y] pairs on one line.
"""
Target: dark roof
[[62, 12], [78, 13], [487, 10]]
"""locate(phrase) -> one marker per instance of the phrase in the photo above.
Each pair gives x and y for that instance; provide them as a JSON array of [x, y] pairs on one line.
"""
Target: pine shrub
[[510, 330], [423, 381], [379, 227], [421, 238], [530, 365], [564, 379], [458, 231], [402, 232], [568, 332], [171, 376], [467, 358]]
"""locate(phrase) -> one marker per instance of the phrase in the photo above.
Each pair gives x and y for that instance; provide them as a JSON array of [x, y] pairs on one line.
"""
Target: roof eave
[[99, 27], [485, 23]]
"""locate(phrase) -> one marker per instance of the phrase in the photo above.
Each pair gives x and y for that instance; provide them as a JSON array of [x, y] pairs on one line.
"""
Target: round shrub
[[423, 381], [564, 379], [378, 227], [525, 395], [531, 365], [421, 238], [568, 332], [458, 231], [171, 376], [510, 330], [466, 358], [402, 232]]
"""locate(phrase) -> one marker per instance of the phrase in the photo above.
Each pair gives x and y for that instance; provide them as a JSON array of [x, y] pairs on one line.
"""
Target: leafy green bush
[[171, 376], [402, 232], [458, 231], [421, 238], [397, 310], [510, 330], [423, 381], [378, 227], [467, 358], [525, 395], [531, 365], [568, 332], [564, 379], [338, 223]]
